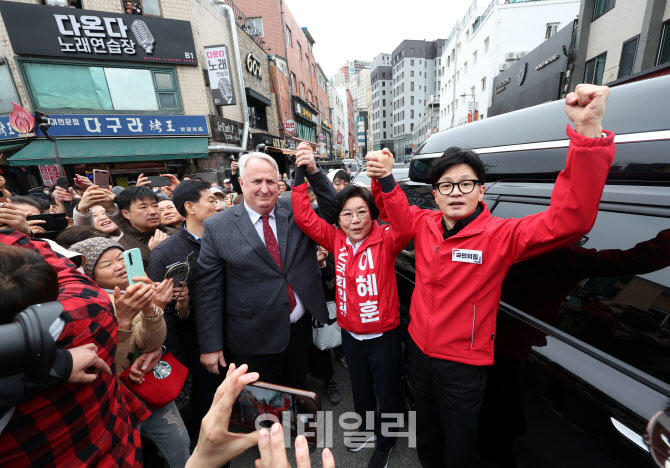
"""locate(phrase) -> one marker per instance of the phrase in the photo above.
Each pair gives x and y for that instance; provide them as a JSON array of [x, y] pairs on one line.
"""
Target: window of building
[[257, 24], [601, 7], [411, 114], [411, 86], [130, 7], [486, 45], [309, 96], [411, 63], [257, 117], [411, 74], [299, 50], [595, 69], [664, 49], [8, 93], [411, 51], [467, 35], [484, 84], [384, 115], [474, 57], [628, 52], [76, 87], [289, 38], [70, 4], [465, 68], [293, 83], [551, 30]]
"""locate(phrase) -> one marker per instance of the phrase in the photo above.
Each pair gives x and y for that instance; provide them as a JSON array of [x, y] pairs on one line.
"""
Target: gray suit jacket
[[242, 301]]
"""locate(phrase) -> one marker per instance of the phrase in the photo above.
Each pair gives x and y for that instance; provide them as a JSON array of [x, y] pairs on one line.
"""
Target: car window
[[610, 290]]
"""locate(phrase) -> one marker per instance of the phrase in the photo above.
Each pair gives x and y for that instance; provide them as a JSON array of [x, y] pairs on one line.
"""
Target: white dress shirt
[[299, 309]]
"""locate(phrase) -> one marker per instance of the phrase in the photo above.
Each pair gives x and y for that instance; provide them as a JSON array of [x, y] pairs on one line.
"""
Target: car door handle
[[630, 434]]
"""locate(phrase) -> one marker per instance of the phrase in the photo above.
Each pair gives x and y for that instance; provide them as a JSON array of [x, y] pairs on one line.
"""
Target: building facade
[[490, 38], [539, 76], [338, 112], [618, 39], [415, 66], [304, 101], [381, 82], [125, 93]]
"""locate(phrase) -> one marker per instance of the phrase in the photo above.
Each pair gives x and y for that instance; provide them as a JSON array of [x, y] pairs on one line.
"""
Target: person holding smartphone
[[368, 308]]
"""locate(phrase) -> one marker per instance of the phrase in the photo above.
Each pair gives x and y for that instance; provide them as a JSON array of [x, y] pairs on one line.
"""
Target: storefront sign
[[253, 65], [75, 33], [289, 125], [501, 86], [220, 75], [82, 125], [49, 174], [547, 62], [321, 136], [226, 130], [302, 111], [268, 140]]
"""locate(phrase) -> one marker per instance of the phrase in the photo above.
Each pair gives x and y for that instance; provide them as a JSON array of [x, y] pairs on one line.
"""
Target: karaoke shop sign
[[84, 34], [220, 75]]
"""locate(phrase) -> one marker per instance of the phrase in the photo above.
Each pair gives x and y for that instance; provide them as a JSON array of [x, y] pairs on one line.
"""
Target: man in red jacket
[[462, 257]]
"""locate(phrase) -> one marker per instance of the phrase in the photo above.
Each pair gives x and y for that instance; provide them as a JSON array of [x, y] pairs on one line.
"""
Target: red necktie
[[273, 248]]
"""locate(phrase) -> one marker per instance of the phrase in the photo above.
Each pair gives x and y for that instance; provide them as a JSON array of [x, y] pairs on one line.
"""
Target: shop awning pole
[[230, 15]]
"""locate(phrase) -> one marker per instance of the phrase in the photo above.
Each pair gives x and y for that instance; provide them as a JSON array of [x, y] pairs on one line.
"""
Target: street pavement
[[402, 455]]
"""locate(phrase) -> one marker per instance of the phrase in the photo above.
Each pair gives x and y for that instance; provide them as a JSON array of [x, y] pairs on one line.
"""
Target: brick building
[[305, 99], [351, 125], [147, 111]]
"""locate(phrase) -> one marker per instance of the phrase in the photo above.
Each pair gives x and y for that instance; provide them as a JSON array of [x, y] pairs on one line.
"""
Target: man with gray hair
[[260, 280]]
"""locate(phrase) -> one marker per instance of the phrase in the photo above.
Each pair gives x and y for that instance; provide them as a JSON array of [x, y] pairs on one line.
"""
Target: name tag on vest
[[466, 256]]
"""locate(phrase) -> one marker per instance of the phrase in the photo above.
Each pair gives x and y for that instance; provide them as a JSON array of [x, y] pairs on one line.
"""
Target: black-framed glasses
[[349, 215], [464, 186]]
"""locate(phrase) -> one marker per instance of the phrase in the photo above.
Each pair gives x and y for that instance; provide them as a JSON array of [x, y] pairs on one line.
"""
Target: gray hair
[[256, 155]]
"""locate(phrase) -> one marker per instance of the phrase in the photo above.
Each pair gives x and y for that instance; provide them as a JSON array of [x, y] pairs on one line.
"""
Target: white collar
[[357, 244], [255, 216]]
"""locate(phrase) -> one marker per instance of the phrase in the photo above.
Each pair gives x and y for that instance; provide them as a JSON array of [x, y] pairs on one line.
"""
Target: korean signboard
[[49, 174], [220, 75], [229, 131], [86, 34], [78, 125]]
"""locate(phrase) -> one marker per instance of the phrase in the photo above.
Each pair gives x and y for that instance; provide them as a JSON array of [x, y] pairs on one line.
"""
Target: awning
[[111, 150], [258, 97], [7, 146]]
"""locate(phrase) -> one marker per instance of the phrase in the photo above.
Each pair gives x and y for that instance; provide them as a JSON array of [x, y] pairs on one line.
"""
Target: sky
[[361, 29]]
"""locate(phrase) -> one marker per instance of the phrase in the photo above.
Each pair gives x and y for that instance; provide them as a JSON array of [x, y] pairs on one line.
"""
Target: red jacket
[[366, 289], [455, 303], [76, 424]]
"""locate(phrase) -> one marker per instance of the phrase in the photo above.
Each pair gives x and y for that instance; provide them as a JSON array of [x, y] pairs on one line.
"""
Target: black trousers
[[448, 397], [374, 368], [287, 368], [321, 363]]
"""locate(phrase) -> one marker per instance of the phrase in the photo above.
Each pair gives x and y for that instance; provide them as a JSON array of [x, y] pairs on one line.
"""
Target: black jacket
[[181, 333]]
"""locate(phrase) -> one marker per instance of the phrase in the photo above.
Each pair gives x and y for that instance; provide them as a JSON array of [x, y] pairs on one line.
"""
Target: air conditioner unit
[[522, 54], [510, 56], [503, 67]]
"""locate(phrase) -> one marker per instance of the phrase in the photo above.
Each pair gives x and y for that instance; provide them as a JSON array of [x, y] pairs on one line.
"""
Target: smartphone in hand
[[134, 266], [159, 181], [101, 178]]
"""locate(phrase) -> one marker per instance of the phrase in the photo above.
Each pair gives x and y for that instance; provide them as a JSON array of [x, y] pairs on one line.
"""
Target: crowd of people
[[257, 269]]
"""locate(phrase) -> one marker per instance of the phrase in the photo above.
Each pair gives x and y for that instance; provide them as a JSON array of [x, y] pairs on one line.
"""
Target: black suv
[[582, 356]]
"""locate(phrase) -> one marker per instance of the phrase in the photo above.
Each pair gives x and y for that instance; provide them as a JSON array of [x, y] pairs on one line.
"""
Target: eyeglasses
[[464, 186], [348, 215]]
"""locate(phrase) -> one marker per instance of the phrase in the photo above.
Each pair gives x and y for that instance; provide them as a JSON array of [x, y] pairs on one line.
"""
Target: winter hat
[[93, 249], [117, 190]]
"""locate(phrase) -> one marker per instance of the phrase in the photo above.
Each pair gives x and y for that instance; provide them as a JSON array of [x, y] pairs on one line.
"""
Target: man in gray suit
[[260, 280]]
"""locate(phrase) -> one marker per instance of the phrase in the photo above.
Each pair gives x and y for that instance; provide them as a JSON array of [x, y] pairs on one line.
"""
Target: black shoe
[[332, 391], [380, 458], [356, 445], [343, 361]]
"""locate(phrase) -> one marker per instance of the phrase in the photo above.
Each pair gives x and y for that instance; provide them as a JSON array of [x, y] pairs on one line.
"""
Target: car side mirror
[[657, 437]]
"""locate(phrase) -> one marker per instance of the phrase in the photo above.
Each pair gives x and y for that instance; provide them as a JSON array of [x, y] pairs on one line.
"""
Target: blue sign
[[96, 125]]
